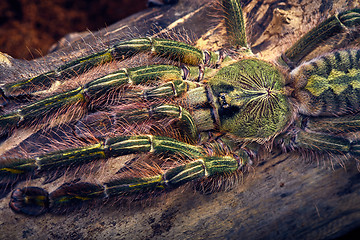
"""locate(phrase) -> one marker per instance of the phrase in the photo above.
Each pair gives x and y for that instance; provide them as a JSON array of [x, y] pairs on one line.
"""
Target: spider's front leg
[[146, 105], [74, 103], [18, 169], [35, 201], [169, 49]]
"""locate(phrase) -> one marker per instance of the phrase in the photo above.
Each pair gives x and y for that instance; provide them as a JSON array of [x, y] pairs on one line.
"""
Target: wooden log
[[286, 196]]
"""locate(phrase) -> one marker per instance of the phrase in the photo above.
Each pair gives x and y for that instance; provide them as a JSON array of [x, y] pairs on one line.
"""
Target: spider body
[[252, 100], [240, 103]]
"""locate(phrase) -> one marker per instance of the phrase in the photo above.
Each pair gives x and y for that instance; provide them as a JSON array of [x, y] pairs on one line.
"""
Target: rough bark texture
[[287, 196]]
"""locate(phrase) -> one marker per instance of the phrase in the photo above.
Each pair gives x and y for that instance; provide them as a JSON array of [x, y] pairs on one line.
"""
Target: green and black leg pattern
[[96, 123], [341, 22], [235, 24], [111, 147], [224, 117], [97, 92], [321, 141], [169, 49], [35, 201]]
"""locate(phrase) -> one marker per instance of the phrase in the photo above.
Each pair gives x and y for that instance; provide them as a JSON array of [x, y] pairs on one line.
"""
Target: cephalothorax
[[210, 114]]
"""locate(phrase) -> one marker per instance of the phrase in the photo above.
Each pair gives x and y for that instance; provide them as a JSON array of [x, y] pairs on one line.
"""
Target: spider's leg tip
[[32, 201]]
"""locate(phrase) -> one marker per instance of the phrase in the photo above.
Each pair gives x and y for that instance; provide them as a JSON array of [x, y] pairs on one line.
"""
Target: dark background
[[29, 27]]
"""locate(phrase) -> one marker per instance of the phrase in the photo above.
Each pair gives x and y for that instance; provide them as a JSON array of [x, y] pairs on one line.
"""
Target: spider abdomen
[[329, 85]]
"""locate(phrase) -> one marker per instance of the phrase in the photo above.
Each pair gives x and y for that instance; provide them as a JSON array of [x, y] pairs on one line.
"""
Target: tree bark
[[286, 196]]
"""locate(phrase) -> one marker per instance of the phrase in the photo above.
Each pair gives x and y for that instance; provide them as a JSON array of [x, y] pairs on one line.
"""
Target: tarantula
[[203, 114]]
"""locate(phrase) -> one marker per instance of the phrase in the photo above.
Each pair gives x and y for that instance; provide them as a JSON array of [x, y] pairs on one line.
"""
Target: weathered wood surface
[[286, 197]]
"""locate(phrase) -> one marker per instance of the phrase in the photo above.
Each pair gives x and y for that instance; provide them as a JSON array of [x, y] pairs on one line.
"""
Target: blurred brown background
[[29, 27]]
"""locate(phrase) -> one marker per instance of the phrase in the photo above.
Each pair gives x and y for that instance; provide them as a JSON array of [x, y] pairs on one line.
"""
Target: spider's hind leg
[[334, 137], [340, 22], [343, 130]]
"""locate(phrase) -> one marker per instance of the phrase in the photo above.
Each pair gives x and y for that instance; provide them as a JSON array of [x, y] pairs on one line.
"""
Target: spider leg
[[19, 169], [340, 22], [16, 169], [323, 142], [169, 49], [34, 201], [235, 24], [88, 96], [328, 85], [344, 129], [332, 135], [201, 166], [185, 121], [45, 80], [337, 125]]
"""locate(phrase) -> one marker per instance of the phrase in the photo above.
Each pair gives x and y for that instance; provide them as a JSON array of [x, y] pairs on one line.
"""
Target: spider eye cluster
[[223, 100], [251, 99]]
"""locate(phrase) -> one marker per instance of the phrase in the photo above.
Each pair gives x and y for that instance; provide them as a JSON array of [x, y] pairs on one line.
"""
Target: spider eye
[[222, 100]]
